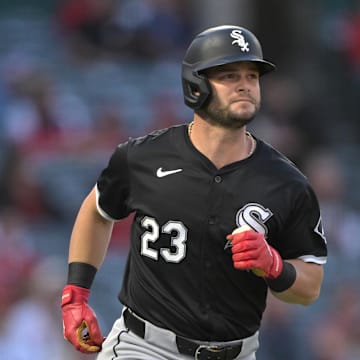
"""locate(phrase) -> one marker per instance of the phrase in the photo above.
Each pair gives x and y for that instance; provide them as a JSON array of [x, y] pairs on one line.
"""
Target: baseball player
[[221, 217]]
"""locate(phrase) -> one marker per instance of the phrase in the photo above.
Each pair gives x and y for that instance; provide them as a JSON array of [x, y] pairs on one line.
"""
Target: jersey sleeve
[[113, 186], [303, 235]]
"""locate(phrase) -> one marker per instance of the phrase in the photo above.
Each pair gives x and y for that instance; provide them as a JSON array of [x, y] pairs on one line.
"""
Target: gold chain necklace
[[253, 144], [253, 141], [190, 126]]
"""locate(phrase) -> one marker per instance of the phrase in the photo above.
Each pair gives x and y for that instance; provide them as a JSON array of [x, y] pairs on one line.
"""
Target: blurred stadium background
[[79, 76]]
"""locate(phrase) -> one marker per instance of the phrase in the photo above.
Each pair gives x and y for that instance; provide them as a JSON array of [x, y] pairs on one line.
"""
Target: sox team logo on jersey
[[254, 215], [239, 40]]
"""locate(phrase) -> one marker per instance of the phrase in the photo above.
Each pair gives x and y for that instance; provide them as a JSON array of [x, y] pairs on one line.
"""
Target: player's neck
[[221, 146]]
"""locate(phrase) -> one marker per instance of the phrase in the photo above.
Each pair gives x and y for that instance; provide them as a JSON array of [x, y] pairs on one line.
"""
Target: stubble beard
[[222, 116]]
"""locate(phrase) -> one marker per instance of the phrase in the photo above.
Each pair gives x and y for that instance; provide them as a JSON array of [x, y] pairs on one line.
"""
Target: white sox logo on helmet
[[240, 40]]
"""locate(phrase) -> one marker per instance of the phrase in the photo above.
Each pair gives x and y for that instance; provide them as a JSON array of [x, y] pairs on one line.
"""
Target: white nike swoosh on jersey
[[161, 173]]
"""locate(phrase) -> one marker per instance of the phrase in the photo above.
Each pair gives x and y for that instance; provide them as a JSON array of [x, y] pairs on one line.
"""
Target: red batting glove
[[79, 320], [250, 251]]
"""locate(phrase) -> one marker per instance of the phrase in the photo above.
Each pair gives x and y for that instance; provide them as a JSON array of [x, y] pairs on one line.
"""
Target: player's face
[[235, 96]]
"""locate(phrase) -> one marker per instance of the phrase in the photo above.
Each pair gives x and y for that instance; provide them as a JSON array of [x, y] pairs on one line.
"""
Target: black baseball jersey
[[179, 274]]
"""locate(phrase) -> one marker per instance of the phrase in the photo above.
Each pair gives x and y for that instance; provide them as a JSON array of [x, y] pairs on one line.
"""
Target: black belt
[[186, 346]]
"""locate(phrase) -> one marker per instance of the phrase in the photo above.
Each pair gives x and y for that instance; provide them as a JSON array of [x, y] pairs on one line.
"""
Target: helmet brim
[[263, 65]]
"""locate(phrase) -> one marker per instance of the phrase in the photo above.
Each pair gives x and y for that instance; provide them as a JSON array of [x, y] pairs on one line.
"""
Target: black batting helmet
[[216, 46]]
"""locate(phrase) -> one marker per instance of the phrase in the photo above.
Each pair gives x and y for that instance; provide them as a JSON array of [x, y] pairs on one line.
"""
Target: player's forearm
[[306, 288], [91, 234]]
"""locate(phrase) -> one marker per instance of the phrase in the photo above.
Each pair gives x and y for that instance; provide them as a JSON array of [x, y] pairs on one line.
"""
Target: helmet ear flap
[[196, 88]]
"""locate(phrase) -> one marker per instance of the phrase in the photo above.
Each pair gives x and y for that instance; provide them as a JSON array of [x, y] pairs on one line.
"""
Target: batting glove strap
[[284, 280], [73, 294], [277, 264]]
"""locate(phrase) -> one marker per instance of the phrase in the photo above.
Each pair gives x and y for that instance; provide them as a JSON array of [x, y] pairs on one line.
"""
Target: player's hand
[[250, 251], [80, 325]]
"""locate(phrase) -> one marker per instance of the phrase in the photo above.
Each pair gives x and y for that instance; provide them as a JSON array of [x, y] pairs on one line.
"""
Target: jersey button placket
[[215, 198], [212, 220]]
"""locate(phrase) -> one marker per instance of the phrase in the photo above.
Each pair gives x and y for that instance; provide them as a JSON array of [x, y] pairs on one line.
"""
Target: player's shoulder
[[156, 137], [277, 163]]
